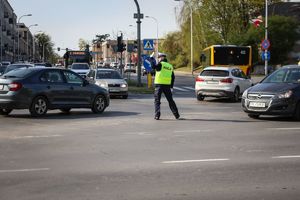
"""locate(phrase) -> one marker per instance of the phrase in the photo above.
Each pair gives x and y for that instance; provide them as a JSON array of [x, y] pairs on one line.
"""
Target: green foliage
[[82, 44], [44, 44]]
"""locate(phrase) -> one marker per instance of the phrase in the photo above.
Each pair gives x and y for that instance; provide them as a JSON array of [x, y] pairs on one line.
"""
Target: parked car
[[277, 94], [43, 89], [217, 82], [5, 63], [110, 79], [42, 65], [16, 66], [80, 68], [129, 67]]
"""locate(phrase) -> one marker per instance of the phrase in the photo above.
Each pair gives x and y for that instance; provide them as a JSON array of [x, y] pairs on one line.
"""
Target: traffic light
[[58, 48], [120, 46], [123, 47]]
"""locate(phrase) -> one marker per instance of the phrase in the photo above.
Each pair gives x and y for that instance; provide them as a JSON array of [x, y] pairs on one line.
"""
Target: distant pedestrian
[[164, 80]]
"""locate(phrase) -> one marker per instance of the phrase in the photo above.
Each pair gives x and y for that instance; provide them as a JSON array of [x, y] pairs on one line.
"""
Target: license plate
[[113, 90], [212, 82], [257, 104], [1, 87]]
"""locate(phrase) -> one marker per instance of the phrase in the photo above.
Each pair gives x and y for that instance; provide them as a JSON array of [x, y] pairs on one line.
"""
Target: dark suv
[[42, 89]]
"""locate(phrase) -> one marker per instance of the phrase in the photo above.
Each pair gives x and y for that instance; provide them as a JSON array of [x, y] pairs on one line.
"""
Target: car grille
[[113, 85], [265, 99]]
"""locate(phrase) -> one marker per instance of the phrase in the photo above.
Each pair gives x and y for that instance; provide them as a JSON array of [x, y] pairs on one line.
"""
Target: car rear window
[[219, 73], [19, 73], [80, 66], [108, 75]]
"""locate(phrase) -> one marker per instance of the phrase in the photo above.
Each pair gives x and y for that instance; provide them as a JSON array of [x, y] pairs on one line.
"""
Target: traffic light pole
[[139, 83]]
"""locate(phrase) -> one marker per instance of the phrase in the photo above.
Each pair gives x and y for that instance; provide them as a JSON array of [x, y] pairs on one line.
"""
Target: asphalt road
[[214, 152]]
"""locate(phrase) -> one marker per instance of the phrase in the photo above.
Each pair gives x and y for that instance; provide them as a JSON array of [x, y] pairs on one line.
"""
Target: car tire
[[125, 96], [297, 112], [236, 95], [5, 111], [253, 116], [65, 110], [99, 104], [39, 106], [200, 97]]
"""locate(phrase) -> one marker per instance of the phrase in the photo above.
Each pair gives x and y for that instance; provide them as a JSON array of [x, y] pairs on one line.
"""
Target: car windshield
[[218, 73], [12, 67], [19, 73], [80, 66], [108, 75], [284, 76]]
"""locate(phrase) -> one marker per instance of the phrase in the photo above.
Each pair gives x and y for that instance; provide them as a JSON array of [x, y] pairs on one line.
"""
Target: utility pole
[[139, 16], [266, 38]]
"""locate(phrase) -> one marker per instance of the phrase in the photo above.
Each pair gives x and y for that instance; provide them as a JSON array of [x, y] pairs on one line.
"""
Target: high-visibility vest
[[164, 76]]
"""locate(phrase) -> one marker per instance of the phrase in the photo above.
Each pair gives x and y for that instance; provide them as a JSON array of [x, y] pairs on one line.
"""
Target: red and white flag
[[257, 21]]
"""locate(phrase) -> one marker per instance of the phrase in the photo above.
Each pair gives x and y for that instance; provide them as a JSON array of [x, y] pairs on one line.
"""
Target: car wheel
[[125, 96], [39, 106], [253, 116], [99, 104], [200, 97], [5, 111], [297, 112], [65, 110], [236, 95]]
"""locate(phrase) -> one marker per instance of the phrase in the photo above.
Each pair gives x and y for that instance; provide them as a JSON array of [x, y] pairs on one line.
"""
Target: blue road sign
[[265, 44], [265, 56], [148, 44], [147, 63]]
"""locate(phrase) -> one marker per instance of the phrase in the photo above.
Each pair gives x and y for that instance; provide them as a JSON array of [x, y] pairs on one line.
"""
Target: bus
[[77, 57], [228, 55]]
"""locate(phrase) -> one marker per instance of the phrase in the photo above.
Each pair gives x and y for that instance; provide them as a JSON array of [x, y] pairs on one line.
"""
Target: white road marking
[[180, 89], [35, 136], [294, 156], [193, 161], [189, 88], [139, 133], [294, 128], [193, 131], [24, 170]]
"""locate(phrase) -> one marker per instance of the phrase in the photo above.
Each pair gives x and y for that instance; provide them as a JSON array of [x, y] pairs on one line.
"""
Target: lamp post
[[28, 15], [156, 34], [139, 16], [44, 44], [192, 46], [266, 37], [27, 40], [33, 44]]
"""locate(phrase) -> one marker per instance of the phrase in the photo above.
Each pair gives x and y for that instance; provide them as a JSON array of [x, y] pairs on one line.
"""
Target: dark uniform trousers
[[166, 89]]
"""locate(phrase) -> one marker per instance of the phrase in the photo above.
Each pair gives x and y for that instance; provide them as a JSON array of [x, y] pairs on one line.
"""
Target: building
[[25, 44], [8, 33]]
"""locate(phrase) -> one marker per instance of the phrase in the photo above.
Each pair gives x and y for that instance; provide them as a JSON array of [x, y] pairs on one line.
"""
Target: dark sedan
[[43, 89], [277, 94]]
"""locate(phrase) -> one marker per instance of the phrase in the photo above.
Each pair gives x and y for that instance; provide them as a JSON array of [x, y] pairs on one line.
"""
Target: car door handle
[[48, 87]]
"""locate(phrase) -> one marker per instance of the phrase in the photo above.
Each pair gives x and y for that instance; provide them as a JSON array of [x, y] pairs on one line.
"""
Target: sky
[[68, 20]]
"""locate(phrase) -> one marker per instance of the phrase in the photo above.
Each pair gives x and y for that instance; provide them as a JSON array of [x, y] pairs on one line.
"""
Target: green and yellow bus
[[228, 55]]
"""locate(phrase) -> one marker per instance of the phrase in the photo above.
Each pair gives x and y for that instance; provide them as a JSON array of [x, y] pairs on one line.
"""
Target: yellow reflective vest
[[164, 76]]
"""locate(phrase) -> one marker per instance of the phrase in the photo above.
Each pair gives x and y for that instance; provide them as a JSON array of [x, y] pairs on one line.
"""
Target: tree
[[45, 46], [82, 44], [100, 39]]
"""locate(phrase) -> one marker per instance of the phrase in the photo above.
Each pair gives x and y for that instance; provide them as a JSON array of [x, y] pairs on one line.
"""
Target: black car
[[16, 66], [42, 89], [277, 94]]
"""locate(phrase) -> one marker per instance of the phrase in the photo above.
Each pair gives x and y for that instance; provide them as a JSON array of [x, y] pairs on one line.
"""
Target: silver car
[[110, 79], [221, 82]]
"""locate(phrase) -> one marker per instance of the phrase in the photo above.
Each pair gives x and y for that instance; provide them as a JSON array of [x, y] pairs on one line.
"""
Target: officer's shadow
[[207, 120]]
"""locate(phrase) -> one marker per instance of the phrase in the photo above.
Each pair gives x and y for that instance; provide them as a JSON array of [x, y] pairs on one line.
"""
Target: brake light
[[14, 86], [198, 79], [226, 80]]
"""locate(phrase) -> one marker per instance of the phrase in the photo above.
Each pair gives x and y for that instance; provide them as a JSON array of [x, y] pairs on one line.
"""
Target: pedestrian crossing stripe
[[184, 89], [148, 45]]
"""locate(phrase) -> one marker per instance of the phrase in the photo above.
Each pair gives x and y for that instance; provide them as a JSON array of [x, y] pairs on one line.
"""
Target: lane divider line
[[35, 136], [24, 170], [292, 156], [194, 161], [295, 128]]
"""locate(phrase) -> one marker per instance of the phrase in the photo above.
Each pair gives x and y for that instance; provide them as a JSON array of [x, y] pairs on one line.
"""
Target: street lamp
[[33, 43], [28, 15], [44, 44], [192, 46], [156, 34], [27, 40]]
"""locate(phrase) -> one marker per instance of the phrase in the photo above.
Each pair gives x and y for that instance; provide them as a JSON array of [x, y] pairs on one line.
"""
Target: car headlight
[[103, 85], [123, 85], [245, 94], [285, 95]]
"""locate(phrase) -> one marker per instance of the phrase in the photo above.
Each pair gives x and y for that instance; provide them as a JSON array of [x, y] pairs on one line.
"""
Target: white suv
[[221, 82], [80, 68]]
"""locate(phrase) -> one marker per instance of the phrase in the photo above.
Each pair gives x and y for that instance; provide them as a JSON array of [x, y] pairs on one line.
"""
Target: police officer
[[164, 80]]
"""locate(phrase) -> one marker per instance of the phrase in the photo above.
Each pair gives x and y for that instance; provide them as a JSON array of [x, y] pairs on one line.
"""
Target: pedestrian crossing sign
[[148, 44]]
